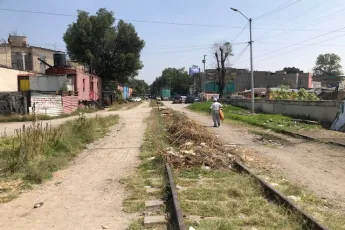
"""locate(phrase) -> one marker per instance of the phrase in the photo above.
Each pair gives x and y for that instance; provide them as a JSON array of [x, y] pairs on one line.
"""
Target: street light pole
[[204, 61], [251, 58], [251, 66]]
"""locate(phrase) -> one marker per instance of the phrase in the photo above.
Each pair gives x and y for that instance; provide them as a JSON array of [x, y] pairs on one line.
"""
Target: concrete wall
[[9, 79], [5, 58], [325, 111], [38, 52], [50, 83], [13, 102]]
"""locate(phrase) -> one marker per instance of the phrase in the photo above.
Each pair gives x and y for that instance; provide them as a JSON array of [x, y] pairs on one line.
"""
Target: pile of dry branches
[[197, 147]]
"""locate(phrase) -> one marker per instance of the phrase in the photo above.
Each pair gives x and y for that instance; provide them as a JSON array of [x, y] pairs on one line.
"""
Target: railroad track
[[177, 217]]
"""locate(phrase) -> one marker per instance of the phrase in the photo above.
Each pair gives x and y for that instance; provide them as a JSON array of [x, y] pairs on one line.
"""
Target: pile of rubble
[[196, 147]]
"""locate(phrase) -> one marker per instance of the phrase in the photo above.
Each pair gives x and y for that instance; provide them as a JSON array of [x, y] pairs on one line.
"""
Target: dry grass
[[208, 186], [36, 151], [327, 212], [42, 117], [197, 147], [151, 172]]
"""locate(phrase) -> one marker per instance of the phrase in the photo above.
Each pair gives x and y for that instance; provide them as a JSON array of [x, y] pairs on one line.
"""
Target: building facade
[[17, 54]]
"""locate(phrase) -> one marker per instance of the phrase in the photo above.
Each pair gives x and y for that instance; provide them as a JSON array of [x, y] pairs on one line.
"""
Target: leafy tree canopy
[[177, 80], [111, 51], [328, 64], [292, 70], [140, 87]]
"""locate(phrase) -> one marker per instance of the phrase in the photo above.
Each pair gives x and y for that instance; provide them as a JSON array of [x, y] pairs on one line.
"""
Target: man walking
[[215, 107]]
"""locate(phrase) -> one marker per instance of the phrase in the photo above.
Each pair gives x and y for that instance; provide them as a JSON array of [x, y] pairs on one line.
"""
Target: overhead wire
[[323, 18], [239, 34], [156, 22], [240, 55], [298, 48], [280, 8], [289, 21], [309, 39]]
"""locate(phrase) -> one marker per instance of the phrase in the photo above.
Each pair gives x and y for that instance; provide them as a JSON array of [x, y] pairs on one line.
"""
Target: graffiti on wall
[[12, 103]]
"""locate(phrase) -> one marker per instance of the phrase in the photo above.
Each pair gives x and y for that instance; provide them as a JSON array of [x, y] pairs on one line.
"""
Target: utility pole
[[251, 58], [204, 61], [203, 77]]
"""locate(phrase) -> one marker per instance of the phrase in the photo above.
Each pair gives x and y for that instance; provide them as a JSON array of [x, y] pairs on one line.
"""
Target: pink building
[[89, 87]]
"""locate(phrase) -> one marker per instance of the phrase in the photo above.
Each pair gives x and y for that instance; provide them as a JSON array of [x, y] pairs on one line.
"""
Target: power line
[[287, 22], [280, 8], [306, 45], [244, 27], [282, 43], [200, 48], [164, 22], [239, 56], [306, 24], [301, 42]]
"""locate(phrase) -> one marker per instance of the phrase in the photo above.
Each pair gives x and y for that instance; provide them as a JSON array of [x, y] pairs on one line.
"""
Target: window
[[83, 85]]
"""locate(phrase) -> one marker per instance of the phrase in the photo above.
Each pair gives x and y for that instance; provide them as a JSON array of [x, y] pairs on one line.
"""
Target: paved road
[[318, 167], [87, 194]]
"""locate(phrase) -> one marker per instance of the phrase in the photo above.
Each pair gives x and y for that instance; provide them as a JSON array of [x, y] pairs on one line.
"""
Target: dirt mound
[[197, 147]]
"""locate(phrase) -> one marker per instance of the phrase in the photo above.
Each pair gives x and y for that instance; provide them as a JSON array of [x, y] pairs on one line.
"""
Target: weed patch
[[42, 117], [36, 151], [275, 122]]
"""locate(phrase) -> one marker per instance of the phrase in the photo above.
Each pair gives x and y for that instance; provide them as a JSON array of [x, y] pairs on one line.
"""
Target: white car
[[136, 99]]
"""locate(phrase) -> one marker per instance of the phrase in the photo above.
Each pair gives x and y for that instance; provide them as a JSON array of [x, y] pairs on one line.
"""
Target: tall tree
[[111, 51], [140, 87], [292, 70], [222, 51], [177, 80], [328, 64]]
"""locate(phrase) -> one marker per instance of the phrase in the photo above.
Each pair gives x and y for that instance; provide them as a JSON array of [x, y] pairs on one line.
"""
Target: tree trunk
[[221, 83]]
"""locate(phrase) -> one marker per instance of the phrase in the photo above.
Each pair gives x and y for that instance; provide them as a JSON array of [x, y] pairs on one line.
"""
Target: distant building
[[18, 54], [267, 79]]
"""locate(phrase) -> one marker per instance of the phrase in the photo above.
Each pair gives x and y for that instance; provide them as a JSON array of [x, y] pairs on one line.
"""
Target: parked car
[[137, 99], [183, 99], [190, 99], [177, 100]]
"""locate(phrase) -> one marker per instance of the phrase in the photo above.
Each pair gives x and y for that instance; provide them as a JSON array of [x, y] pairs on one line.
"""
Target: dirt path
[[318, 167], [87, 194]]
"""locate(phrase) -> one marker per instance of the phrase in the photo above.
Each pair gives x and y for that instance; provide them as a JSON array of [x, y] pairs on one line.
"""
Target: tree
[[111, 51], [292, 70], [328, 64], [140, 87], [177, 80], [222, 51]]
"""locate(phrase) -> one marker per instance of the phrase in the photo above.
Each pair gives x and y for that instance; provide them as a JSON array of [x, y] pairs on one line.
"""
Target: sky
[[286, 33]]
